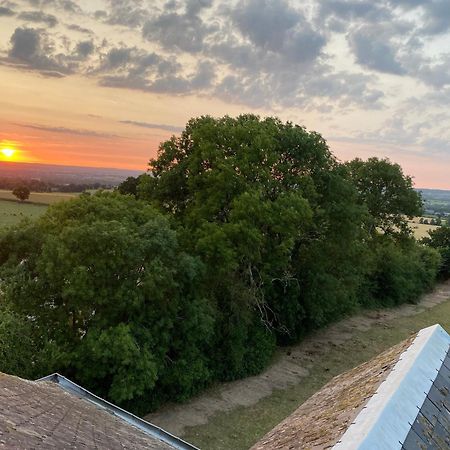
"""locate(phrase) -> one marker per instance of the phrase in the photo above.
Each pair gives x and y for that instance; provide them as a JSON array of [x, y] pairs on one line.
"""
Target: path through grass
[[240, 428]]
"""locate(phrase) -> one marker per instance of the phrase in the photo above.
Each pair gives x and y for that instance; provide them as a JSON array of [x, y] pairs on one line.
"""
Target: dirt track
[[289, 367]]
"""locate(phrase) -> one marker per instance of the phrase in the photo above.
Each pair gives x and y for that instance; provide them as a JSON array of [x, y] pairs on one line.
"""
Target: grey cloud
[[156, 126], [100, 14], [129, 13], [85, 48], [78, 28], [338, 15], [183, 32], [373, 50], [437, 15], [275, 26], [39, 17], [153, 73], [265, 22], [6, 12], [117, 57], [194, 7], [354, 9], [174, 31], [33, 49], [133, 63], [66, 5], [65, 130]]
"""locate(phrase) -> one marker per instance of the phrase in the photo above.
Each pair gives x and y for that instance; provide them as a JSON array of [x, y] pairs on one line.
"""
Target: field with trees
[[249, 235], [13, 211], [436, 202]]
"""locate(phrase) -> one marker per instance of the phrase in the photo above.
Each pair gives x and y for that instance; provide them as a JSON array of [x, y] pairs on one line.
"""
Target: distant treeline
[[248, 234], [9, 183], [436, 202]]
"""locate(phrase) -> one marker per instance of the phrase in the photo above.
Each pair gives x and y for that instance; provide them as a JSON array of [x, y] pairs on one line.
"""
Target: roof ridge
[[147, 427], [381, 421]]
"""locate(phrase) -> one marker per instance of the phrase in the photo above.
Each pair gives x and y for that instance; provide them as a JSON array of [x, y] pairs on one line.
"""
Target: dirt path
[[290, 366]]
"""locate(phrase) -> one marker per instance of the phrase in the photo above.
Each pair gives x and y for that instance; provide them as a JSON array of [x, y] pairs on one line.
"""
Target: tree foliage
[[247, 233], [387, 193], [439, 239], [21, 192], [103, 281]]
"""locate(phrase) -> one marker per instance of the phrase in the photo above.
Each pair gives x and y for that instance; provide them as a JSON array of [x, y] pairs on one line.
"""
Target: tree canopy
[[22, 192], [246, 233], [387, 193]]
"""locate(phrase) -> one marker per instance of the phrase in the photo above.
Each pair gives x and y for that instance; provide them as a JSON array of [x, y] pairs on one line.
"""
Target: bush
[[440, 240]]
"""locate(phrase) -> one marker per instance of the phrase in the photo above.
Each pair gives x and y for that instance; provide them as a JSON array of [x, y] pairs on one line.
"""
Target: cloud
[[153, 73], [271, 54], [39, 17], [65, 130], [6, 11], [180, 31], [374, 51], [275, 26], [129, 13], [85, 48], [32, 48], [65, 5], [152, 126], [78, 28]]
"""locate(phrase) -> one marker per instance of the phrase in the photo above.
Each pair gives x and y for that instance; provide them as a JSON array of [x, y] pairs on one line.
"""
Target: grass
[[11, 213], [421, 230], [46, 198], [241, 428]]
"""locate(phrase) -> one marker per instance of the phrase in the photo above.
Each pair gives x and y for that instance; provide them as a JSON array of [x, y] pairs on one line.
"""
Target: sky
[[102, 82]]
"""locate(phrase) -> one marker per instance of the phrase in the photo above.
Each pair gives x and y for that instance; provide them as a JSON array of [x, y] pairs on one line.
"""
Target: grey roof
[[397, 401], [431, 429], [56, 413]]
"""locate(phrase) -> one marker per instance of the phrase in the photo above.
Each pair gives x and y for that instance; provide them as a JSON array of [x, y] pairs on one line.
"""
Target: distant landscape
[[52, 173], [436, 202], [50, 184]]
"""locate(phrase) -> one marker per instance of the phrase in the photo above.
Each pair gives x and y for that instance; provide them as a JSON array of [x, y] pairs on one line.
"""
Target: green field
[[12, 212], [46, 198]]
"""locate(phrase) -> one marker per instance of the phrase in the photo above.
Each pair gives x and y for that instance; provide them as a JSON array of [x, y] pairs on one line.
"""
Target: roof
[[398, 400], [57, 413]]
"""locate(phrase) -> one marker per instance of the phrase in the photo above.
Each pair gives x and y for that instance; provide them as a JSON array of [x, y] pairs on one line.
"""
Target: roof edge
[[382, 423], [147, 427]]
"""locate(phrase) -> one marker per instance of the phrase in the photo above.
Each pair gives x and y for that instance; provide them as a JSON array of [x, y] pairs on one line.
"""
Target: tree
[[21, 192], [261, 202], [129, 186], [388, 194], [111, 297], [439, 239]]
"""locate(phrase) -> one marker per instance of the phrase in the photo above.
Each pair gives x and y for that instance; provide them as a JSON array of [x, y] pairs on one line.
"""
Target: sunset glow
[[8, 152], [80, 93]]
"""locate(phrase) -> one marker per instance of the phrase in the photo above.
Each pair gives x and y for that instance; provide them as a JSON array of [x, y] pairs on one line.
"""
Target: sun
[[8, 152]]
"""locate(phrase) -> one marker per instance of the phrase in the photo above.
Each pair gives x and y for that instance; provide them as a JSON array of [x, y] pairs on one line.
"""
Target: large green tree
[[103, 283], [269, 210]]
